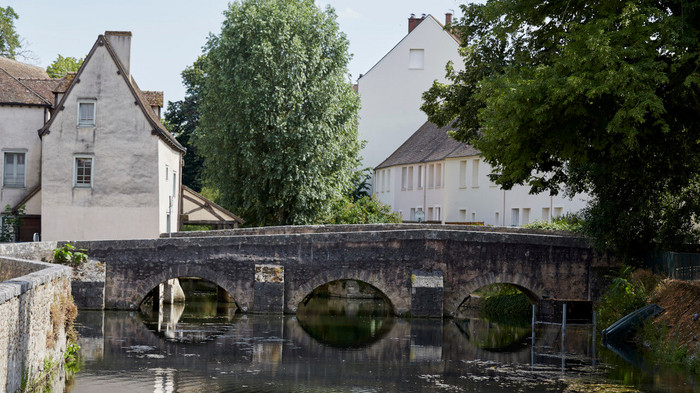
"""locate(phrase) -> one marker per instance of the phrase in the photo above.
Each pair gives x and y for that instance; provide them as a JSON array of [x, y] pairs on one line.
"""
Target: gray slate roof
[[429, 143]]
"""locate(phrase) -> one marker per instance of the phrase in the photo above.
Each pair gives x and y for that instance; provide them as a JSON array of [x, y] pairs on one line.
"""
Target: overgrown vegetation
[[69, 255], [629, 291], [195, 228], [10, 221], [504, 303], [365, 210], [569, 222]]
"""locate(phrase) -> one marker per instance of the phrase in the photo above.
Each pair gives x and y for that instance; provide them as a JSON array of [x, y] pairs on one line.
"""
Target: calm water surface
[[336, 345]]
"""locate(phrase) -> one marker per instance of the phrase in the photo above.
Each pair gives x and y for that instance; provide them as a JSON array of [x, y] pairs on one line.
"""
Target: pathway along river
[[343, 346]]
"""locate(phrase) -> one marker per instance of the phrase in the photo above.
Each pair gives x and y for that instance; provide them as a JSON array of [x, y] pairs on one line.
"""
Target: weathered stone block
[[427, 291], [88, 295], [268, 289]]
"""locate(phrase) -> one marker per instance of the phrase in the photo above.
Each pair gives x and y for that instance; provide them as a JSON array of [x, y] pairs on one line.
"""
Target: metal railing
[[677, 265]]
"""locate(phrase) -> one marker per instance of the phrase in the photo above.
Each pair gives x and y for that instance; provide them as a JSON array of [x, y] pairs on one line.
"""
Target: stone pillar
[[426, 294], [268, 289], [172, 292]]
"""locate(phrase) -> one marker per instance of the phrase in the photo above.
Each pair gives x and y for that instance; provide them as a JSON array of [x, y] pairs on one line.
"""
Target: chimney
[[120, 41], [413, 21], [448, 19]]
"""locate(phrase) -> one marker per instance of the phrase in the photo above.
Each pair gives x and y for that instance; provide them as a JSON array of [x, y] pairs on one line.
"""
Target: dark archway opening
[[188, 309], [346, 314], [497, 317]]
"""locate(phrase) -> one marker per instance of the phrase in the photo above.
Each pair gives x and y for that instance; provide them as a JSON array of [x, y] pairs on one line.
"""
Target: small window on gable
[[83, 172], [166, 172], [14, 170], [86, 113], [416, 59]]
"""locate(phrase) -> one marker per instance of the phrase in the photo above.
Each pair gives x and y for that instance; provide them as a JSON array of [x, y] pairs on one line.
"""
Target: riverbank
[[674, 335]]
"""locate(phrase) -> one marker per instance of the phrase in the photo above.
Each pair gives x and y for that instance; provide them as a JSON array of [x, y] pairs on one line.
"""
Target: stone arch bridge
[[422, 270]]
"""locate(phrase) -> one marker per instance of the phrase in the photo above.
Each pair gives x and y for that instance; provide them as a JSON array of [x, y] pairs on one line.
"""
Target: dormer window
[[416, 59], [86, 113]]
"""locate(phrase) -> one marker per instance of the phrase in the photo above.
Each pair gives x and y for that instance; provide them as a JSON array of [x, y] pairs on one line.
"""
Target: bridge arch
[[528, 286], [240, 295], [389, 293]]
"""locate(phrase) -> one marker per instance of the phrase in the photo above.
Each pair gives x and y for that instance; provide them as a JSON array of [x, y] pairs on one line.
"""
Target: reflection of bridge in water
[[279, 348]]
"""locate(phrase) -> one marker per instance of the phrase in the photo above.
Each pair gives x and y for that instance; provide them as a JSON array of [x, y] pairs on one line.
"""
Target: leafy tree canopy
[[63, 65], [182, 118], [601, 97], [278, 116], [9, 39]]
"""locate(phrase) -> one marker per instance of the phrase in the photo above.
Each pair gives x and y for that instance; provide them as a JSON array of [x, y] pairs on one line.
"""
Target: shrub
[[365, 210], [569, 222], [69, 255], [628, 291]]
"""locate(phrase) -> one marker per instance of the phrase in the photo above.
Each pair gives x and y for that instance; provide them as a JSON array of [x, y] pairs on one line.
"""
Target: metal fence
[[677, 265]]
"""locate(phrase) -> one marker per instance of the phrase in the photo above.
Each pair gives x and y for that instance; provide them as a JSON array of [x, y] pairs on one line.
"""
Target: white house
[[87, 154], [391, 91], [447, 181]]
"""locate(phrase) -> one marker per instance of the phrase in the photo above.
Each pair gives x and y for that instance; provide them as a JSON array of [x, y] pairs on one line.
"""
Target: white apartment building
[[433, 176], [391, 91]]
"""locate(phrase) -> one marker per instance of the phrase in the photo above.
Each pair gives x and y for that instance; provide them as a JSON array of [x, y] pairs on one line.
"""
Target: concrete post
[[426, 294], [268, 289]]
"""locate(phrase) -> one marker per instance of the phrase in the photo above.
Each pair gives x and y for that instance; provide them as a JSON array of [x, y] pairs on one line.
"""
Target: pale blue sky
[[168, 34]]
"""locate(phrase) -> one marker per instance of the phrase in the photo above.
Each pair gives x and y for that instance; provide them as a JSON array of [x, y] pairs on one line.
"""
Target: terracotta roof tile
[[429, 143], [154, 98], [43, 87], [21, 70], [64, 82]]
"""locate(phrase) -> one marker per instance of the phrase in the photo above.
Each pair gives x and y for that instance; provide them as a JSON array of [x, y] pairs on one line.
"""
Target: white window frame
[[421, 173], [17, 151], [463, 174], [75, 170], [416, 59], [475, 173], [94, 112]]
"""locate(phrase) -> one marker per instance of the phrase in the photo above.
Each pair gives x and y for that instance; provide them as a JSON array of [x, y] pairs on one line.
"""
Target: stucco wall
[[18, 126], [461, 199], [167, 156], [391, 93], [27, 333], [123, 200]]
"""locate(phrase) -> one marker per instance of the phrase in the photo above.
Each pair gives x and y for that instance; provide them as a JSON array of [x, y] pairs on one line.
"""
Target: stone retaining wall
[[29, 333]]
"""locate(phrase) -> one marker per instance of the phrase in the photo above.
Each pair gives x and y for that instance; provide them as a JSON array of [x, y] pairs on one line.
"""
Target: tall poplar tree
[[600, 97], [278, 116]]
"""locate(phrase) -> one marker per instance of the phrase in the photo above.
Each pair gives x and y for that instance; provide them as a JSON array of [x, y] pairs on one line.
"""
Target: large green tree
[[9, 39], [63, 65], [600, 97], [278, 116], [182, 118]]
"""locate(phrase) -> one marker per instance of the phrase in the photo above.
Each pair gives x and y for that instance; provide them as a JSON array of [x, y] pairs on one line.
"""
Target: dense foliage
[[182, 119], [9, 39], [364, 210], [628, 291], [63, 65], [577, 96], [569, 222], [278, 117]]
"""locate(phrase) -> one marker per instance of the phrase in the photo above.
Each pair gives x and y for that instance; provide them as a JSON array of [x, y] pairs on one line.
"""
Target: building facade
[[391, 91], [101, 165], [432, 177]]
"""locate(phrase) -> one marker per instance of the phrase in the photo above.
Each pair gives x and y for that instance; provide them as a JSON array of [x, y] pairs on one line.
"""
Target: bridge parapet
[[386, 257]]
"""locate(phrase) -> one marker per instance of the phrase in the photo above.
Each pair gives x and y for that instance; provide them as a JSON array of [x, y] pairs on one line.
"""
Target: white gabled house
[[87, 155], [447, 181], [391, 91]]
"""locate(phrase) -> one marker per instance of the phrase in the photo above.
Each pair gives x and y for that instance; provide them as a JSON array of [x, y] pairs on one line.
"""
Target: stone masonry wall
[[28, 335]]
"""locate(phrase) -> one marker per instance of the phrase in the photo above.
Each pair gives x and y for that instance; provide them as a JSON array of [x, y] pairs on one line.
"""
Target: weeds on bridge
[[69, 255]]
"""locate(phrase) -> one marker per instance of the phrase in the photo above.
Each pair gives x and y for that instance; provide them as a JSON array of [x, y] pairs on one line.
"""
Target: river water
[[345, 345]]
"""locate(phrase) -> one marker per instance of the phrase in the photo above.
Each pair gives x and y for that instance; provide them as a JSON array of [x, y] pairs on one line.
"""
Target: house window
[[545, 214], [462, 173], [430, 214], [431, 176], [557, 212], [166, 172], [497, 220], [437, 214], [515, 217], [438, 175], [421, 172], [388, 180], [410, 177], [473, 216], [83, 172], [416, 59], [413, 214], [14, 170], [463, 215], [526, 216], [383, 181], [86, 113], [404, 178], [475, 173]]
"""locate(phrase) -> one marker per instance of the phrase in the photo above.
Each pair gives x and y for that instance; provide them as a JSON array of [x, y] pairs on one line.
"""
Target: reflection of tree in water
[[492, 336], [345, 323]]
